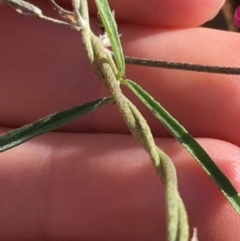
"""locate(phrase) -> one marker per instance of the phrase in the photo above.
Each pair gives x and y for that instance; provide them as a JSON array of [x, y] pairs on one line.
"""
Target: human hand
[[92, 181]]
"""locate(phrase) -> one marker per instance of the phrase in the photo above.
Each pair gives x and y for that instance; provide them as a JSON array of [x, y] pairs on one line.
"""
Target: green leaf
[[111, 29], [182, 135], [48, 123]]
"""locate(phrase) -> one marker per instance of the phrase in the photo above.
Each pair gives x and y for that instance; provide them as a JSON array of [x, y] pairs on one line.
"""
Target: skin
[[91, 180]]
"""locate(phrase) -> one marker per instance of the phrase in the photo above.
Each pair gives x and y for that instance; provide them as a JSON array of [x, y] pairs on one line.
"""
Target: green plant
[[112, 75]]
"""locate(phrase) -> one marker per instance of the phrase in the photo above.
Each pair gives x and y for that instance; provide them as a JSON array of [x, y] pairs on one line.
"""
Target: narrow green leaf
[[182, 135], [111, 28], [48, 123]]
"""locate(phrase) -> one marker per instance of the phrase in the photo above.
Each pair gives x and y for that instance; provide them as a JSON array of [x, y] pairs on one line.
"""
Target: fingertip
[[164, 13]]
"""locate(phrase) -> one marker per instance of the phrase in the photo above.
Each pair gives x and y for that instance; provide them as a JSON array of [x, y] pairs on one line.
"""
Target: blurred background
[[224, 19]]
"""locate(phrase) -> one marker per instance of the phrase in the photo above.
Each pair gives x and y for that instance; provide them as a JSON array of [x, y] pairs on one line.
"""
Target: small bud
[[237, 16], [105, 40]]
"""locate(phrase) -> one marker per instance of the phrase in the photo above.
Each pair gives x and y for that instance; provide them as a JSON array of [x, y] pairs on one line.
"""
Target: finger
[[103, 187], [206, 104], [48, 71], [167, 14]]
